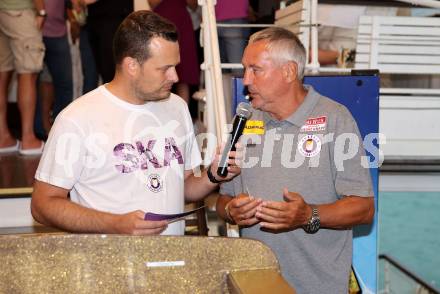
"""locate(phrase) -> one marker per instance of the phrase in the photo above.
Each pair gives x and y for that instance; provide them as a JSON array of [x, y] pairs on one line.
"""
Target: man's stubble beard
[[149, 96]]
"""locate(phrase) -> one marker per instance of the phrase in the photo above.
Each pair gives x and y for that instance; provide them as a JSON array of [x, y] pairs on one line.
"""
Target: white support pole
[[209, 116], [213, 76], [314, 63], [219, 95]]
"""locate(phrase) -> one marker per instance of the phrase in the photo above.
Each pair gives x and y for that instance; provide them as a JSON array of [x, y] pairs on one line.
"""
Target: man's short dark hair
[[134, 34]]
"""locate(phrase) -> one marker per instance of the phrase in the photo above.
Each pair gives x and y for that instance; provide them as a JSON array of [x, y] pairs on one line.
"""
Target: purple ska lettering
[[171, 152], [129, 159], [142, 157], [147, 154]]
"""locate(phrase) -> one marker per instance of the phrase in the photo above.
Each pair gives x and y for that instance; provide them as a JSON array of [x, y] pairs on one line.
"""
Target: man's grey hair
[[283, 46]]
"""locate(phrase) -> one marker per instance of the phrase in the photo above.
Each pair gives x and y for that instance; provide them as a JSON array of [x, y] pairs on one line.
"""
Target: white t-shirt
[[118, 157]]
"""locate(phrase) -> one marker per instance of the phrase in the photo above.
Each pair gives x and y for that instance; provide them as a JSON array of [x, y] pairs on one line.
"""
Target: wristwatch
[[211, 177], [314, 223], [42, 13]]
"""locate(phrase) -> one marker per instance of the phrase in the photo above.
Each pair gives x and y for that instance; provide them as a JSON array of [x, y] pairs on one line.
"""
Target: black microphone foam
[[243, 114]]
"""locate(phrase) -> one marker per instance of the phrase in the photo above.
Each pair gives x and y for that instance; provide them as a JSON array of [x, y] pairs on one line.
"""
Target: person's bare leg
[[182, 90], [47, 93], [327, 57], [6, 139], [27, 95]]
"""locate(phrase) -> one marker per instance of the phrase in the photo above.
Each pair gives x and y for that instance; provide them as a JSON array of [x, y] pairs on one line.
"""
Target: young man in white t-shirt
[[126, 148]]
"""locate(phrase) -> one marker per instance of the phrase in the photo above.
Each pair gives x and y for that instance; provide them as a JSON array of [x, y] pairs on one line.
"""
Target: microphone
[[243, 114]]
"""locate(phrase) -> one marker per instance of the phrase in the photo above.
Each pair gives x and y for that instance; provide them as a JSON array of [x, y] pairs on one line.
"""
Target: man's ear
[[130, 65], [290, 70]]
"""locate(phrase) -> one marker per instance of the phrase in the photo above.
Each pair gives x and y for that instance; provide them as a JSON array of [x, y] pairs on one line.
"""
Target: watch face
[[314, 223]]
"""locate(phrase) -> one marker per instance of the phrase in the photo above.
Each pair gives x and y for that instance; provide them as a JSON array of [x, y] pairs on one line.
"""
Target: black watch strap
[[211, 177]]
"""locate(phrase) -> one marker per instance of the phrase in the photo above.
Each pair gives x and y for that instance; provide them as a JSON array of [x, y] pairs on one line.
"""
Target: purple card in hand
[[171, 217]]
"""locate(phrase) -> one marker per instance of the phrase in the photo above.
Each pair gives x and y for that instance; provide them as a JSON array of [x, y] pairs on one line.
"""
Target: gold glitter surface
[[118, 264]]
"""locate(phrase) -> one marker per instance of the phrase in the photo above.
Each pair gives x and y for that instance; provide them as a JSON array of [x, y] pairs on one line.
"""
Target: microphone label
[[254, 127]]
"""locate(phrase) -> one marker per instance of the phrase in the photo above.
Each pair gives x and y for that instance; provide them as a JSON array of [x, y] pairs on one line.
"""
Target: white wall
[[411, 125], [15, 212]]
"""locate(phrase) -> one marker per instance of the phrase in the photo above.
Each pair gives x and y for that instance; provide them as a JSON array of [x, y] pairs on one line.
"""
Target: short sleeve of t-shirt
[[351, 177], [61, 162]]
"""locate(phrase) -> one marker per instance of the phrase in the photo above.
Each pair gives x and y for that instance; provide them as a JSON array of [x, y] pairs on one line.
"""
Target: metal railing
[[413, 281]]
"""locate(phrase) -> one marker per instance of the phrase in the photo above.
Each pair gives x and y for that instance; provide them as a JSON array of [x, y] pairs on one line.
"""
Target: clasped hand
[[289, 214]]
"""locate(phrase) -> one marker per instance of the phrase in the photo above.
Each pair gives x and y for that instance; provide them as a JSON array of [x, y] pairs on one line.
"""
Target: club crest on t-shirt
[[309, 145], [155, 183]]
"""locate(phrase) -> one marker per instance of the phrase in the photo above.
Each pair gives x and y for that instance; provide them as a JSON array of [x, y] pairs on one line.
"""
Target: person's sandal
[[10, 149], [32, 151]]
